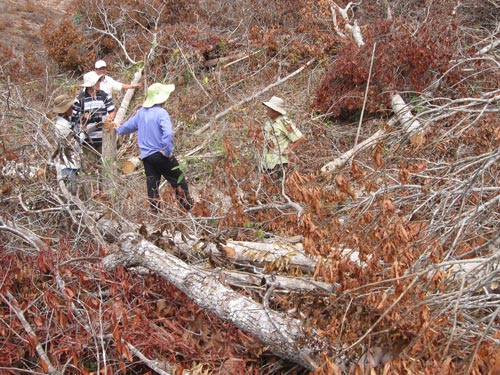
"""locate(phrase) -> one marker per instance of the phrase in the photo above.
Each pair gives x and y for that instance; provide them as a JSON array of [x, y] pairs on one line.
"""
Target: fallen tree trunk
[[346, 156], [259, 254], [284, 336], [402, 111], [244, 279]]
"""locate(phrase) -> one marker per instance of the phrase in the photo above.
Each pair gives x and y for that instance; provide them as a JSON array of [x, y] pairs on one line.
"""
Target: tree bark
[[284, 336], [120, 114], [244, 279], [402, 111]]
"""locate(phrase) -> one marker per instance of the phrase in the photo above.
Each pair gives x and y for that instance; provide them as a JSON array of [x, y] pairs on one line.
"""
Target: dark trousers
[[156, 166]]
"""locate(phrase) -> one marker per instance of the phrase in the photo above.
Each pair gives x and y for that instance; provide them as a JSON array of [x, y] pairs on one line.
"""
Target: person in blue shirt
[[155, 139]]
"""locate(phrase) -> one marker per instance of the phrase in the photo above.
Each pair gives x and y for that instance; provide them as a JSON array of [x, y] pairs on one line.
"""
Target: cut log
[[130, 165], [284, 336]]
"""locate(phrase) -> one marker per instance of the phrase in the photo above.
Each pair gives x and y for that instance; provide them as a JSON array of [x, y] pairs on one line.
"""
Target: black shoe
[[187, 203], [185, 200]]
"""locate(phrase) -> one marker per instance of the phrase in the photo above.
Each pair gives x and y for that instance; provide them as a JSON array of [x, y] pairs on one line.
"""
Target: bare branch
[[13, 304], [253, 96]]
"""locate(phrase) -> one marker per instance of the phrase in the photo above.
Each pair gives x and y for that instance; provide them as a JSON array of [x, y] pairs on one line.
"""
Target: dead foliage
[[394, 229]]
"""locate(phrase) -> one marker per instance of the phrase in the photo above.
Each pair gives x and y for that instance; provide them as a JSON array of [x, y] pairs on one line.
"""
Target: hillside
[[376, 253]]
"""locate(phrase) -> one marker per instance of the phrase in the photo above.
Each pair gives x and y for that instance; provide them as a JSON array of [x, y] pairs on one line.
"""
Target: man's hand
[[109, 125]]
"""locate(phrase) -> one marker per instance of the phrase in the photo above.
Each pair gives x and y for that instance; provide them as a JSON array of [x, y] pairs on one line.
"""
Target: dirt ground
[[21, 20]]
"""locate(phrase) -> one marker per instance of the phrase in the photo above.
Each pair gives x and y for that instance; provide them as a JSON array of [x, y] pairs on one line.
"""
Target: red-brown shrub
[[67, 46], [403, 61]]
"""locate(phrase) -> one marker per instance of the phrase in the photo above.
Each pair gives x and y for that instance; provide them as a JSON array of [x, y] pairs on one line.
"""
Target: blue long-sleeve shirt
[[154, 129]]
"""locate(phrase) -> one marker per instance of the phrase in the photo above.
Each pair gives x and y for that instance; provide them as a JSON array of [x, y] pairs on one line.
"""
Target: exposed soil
[[21, 20]]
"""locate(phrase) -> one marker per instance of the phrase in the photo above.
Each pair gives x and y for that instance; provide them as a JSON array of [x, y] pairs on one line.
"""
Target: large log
[[283, 335]]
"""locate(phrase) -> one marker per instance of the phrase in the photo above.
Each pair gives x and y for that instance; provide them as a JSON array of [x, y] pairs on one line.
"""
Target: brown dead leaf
[[41, 175], [5, 189], [387, 206], [343, 185], [404, 175], [496, 368], [232, 366], [377, 155], [44, 365], [69, 292], [417, 139], [10, 155]]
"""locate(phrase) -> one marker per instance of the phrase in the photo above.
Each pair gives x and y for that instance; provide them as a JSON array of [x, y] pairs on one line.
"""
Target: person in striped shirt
[[91, 108]]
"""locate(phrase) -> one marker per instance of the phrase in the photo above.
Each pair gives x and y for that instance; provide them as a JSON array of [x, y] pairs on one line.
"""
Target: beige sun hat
[[90, 79], [157, 93], [61, 104], [276, 104]]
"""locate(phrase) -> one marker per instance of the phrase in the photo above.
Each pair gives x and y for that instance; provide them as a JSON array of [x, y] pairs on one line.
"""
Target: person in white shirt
[[108, 84]]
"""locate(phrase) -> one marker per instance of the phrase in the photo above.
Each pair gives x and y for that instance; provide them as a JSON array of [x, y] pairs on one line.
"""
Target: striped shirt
[[97, 108]]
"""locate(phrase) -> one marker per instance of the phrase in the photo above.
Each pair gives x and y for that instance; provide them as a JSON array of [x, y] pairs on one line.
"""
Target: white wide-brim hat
[[90, 79], [62, 104], [276, 104], [157, 93]]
